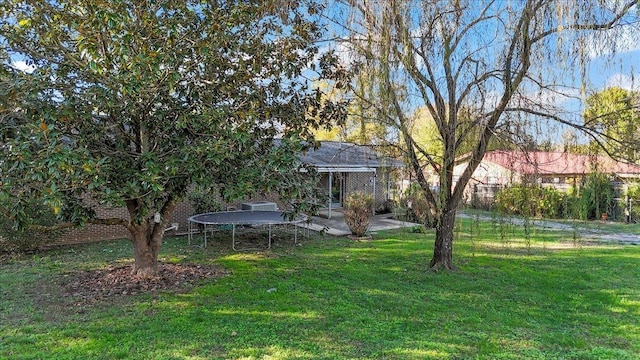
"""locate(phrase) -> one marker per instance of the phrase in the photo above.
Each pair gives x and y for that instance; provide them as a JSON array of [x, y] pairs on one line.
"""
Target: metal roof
[[558, 163]]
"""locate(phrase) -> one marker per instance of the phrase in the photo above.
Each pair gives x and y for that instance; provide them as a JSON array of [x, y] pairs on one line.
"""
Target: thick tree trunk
[[443, 248], [147, 236], [146, 245]]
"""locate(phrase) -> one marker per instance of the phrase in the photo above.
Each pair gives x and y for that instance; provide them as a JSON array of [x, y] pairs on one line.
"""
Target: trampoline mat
[[246, 217]]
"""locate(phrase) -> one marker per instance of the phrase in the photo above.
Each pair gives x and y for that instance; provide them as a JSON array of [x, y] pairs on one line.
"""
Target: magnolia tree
[[134, 103], [478, 69]]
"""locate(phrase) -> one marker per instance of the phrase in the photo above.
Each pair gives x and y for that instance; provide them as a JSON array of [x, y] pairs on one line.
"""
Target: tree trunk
[[443, 248], [146, 245], [147, 235]]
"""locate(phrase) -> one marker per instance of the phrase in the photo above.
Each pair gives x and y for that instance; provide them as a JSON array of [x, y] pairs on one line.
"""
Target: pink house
[[560, 170]]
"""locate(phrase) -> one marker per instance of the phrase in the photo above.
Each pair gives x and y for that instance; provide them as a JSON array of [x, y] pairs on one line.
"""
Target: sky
[[22, 66], [604, 69], [622, 70]]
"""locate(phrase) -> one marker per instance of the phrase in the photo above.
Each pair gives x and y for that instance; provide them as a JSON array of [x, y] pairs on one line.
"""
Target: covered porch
[[346, 168], [338, 182]]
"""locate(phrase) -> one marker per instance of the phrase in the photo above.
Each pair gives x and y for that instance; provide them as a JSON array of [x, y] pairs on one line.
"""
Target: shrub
[[205, 200], [533, 200], [633, 192], [358, 210], [27, 240], [422, 212], [596, 196], [386, 207], [418, 209]]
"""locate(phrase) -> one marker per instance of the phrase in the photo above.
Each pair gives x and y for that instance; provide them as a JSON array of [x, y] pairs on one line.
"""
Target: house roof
[[558, 163], [344, 156]]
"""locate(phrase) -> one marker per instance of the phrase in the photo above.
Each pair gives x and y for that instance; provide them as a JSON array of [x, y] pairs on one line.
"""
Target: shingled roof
[[343, 155], [558, 163]]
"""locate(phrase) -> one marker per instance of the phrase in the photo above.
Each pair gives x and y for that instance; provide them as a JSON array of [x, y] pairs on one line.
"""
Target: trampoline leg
[[269, 246], [189, 236], [295, 234], [205, 235]]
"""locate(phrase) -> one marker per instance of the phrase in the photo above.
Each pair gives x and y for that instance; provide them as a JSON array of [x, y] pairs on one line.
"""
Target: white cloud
[[623, 81], [23, 66]]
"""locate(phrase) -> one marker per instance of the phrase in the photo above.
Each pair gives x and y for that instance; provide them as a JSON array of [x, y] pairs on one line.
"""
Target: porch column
[[329, 197], [375, 176]]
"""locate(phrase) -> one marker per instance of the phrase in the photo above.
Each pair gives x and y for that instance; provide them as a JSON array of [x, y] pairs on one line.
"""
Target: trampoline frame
[[230, 218]]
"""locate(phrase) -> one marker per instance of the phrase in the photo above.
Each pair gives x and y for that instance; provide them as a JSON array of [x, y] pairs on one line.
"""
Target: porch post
[[375, 175], [330, 200]]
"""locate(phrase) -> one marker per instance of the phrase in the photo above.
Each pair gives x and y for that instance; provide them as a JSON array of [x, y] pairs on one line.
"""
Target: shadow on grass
[[329, 298]]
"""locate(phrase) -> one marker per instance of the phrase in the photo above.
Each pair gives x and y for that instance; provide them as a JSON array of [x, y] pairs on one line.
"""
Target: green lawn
[[539, 296]]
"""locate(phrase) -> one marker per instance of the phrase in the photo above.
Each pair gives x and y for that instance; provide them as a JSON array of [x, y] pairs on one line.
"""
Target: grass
[[331, 298]]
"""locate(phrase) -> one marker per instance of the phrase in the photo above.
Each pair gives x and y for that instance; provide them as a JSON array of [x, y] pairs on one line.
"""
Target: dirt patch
[[117, 282]]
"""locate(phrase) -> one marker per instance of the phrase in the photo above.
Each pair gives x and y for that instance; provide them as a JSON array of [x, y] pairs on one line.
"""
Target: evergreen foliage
[[131, 104], [593, 198]]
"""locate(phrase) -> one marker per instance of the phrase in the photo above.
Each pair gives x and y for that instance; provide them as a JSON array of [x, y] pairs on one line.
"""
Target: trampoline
[[243, 218]]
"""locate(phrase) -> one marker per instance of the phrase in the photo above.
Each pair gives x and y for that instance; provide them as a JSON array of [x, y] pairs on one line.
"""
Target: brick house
[[343, 167]]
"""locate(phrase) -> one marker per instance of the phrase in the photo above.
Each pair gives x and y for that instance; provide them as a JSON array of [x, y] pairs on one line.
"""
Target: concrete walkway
[[336, 225], [587, 233]]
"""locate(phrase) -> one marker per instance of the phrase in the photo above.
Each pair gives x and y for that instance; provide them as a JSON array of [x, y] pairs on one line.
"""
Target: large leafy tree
[[480, 68], [614, 112], [132, 103]]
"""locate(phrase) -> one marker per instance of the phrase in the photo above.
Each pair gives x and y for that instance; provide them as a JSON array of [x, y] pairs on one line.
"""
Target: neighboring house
[[347, 167], [559, 170]]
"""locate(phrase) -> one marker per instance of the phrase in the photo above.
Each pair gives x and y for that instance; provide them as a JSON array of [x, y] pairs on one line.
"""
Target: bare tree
[[505, 60]]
